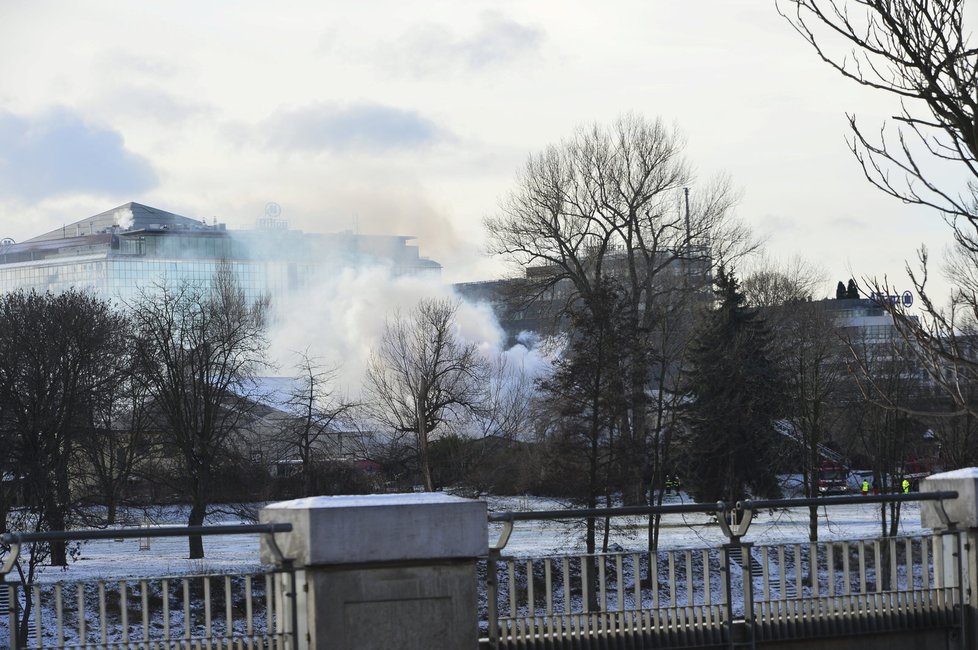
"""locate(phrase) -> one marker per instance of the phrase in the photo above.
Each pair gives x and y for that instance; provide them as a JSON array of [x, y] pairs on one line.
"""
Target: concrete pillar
[[957, 520], [385, 571]]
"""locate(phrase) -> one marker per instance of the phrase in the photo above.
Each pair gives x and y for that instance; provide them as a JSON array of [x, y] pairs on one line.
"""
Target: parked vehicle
[[833, 478], [856, 478]]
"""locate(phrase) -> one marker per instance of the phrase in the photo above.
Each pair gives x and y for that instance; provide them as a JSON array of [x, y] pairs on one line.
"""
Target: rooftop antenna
[[689, 233], [688, 252]]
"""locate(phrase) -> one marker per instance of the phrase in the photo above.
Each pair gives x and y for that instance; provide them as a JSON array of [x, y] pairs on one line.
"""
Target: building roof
[[129, 216]]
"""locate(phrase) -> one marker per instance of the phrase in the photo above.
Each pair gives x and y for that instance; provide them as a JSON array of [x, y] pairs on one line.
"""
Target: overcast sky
[[413, 117]]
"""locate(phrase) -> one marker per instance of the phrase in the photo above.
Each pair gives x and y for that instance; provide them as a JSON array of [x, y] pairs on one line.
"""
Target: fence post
[[746, 559], [957, 522], [386, 570], [726, 591]]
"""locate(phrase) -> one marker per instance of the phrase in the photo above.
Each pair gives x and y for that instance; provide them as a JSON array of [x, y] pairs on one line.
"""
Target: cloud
[[146, 102], [57, 153], [366, 127], [496, 41], [499, 40], [149, 66], [844, 223]]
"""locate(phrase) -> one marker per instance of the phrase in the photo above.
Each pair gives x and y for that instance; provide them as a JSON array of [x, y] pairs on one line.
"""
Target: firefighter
[[865, 487], [672, 483]]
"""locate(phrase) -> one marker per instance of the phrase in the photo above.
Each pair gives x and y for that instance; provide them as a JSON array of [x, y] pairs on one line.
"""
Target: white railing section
[[853, 587], [187, 612], [567, 598], [173, 612], [691, 597]]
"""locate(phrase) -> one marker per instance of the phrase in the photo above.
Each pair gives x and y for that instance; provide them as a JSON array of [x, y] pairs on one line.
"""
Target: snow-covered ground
[[239, 553], [695, 530]]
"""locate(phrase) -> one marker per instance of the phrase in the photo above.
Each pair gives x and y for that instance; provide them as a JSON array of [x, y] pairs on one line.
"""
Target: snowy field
[[239, 553], [694, 530]]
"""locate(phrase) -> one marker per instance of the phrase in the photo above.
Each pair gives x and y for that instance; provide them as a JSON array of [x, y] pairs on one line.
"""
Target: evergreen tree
[[840, 291], [852, 291], [737, 393], [586, 399]]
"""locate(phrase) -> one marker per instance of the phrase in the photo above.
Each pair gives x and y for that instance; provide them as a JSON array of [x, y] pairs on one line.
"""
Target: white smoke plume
[[340, 319], [123, 218]]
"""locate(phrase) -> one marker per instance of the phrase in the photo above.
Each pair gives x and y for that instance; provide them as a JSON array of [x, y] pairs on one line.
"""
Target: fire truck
[[833, 478]]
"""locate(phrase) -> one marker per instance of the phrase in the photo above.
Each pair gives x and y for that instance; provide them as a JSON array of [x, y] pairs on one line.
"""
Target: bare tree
[[58, 354], [773, 283], [811, 353], [919, 52], [944, 340], [117, 438], [609, 203], [506, 408], [814, 366], [423, 375], [314, 411], [198, 350], [886, 390]]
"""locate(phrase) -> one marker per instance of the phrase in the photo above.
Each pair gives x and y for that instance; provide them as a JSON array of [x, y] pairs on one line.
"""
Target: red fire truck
[[833, 478]]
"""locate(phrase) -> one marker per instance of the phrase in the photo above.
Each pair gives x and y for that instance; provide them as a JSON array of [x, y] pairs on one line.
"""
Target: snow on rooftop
[[368, 500], [964, 473]]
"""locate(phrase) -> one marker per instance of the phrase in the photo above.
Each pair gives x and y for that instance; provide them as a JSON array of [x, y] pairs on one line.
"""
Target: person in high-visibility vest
[[906, 486], [865, 487]]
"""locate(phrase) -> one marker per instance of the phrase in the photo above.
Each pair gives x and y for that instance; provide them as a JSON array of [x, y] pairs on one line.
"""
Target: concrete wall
[[385, 571]]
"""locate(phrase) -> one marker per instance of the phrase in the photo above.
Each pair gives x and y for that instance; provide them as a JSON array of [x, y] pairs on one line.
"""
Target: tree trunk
[[634, 439], [589, 563], [198, 508], [894, 519], [197, 511], [57, 522], [606, 538], [424, 462]]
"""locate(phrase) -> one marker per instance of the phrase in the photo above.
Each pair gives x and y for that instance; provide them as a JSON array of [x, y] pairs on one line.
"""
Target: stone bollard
[[384, 571], [958, 523]]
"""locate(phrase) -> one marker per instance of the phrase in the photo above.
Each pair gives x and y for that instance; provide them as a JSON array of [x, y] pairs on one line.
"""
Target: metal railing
[[733, 594], [249, 610]]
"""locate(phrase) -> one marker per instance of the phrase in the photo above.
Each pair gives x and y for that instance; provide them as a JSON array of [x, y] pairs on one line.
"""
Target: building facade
[[134, 247]]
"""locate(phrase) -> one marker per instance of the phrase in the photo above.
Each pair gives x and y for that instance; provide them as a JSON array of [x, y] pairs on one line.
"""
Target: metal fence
[[737, 593], [252, 610], [205, 611], [853, 587]]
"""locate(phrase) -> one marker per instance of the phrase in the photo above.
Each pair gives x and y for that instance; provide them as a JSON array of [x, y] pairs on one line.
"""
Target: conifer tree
[[587, 401], [737, 393]]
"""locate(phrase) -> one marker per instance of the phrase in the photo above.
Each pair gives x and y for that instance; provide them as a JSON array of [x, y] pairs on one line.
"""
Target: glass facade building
[[134, 247]]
